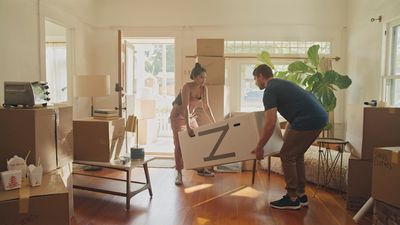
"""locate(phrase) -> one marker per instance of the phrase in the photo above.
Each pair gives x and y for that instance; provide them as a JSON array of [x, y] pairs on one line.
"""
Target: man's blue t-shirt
[[299, 107]]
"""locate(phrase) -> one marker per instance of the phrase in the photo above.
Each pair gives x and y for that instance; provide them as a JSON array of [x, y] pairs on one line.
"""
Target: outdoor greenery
[[312, 75]]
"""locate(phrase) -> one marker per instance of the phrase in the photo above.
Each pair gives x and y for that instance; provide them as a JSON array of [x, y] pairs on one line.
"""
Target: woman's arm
[[185, 104], [206, 106]]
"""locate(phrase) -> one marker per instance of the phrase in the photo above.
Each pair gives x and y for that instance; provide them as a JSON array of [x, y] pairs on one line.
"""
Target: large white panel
[[227, 141]]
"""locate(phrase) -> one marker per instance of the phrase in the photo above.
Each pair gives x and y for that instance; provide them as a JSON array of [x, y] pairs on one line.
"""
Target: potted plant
[[314, 77]]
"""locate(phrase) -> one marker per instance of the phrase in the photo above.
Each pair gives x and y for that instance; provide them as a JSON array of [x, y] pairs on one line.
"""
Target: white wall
[[22, 40], [19, 42], [215, 13], [364, 49]]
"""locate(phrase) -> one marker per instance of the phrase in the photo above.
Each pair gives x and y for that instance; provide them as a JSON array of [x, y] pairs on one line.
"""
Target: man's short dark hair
[[264, 70]]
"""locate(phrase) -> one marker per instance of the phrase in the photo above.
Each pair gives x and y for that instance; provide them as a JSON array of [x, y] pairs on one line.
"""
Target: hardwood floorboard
[[227, 199]]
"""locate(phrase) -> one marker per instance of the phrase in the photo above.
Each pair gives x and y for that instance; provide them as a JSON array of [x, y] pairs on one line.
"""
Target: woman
[[194, 94]]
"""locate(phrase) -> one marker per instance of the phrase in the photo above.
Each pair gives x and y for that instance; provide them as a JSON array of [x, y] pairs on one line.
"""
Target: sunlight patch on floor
[[201, 221], [197, 188], [247, 192]]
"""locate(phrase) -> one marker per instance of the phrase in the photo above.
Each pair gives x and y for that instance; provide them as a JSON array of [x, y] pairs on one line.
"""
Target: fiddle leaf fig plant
[[312, 75]]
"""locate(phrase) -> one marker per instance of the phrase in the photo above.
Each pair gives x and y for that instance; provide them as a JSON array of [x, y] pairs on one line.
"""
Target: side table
[[327, 163], [117, 165]]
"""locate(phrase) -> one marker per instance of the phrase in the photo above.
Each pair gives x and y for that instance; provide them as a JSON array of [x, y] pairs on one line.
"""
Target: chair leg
[[269, 166]]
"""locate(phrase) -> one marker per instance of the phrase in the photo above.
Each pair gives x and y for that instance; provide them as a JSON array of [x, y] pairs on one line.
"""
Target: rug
[[162, 163]]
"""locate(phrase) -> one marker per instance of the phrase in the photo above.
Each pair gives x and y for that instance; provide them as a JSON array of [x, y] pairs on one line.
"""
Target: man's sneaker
[[303, 200], [286, 203], [178, 180], [205, 172]]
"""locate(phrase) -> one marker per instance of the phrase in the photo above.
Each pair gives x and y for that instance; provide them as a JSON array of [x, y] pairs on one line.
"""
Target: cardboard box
[[227, 141], [210, 47], [385, 214], [215, 67], [45, 204], [219, 103], [218, 100], [98, 140], [64, 134], [358, 182], [65, 173], [386, 175], [24, 130], [371, 127]]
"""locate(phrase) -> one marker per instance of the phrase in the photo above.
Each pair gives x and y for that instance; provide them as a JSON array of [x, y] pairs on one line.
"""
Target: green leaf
[[264, 57], [299, 67], [343, 82], [313, 56], [330, 77]]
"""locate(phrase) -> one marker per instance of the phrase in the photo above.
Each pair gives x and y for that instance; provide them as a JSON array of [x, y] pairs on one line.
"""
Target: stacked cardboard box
[[385, 214], [46, 133], [367, 128], [358, 183], [210, 54], [98, 140], [386, 175], [44, 204]]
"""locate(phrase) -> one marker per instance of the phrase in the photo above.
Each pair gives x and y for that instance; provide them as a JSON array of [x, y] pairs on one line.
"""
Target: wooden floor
[[227, 198]]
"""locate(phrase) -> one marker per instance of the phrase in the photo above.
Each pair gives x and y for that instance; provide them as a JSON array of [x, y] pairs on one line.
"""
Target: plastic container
[[35, 174], [11, 179]]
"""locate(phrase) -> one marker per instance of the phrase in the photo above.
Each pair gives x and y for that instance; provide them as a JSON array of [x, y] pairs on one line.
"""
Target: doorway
[[57, 63], [150, 90]]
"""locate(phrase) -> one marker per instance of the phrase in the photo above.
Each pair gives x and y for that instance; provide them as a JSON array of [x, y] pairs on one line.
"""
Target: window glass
[[392, 74], [275, 47], [56, 62]]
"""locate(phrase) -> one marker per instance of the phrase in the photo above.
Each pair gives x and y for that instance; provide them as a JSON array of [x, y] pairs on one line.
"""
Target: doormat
[[162, 163]]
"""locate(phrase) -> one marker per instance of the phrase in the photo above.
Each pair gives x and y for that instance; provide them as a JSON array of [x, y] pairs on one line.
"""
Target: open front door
[[120, 86]]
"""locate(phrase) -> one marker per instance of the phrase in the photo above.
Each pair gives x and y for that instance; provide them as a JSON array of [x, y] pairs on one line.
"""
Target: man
[[306, 118]]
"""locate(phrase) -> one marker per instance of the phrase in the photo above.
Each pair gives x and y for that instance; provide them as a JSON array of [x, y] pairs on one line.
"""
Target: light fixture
[[146, 110], [92, 86]]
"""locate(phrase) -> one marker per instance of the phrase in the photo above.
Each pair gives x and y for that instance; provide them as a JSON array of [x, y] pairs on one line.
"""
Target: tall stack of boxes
[[47, 134], [210, 54], [367, 128]]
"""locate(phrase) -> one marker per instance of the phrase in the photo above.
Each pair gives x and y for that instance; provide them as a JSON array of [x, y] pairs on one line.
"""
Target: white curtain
[[56, 71]]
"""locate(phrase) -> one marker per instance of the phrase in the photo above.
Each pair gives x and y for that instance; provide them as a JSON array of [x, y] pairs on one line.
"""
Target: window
[[391, 75], [240, 70], [275, 47], [56, 62]]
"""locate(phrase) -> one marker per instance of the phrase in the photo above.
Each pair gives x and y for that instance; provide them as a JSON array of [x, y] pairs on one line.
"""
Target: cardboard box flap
[[52, 184]]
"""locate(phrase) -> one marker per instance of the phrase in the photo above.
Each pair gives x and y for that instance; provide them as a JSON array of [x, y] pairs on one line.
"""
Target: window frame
[[387, 74]]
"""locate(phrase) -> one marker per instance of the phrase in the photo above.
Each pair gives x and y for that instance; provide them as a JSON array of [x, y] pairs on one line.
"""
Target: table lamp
[[92, 86], [146, 110]]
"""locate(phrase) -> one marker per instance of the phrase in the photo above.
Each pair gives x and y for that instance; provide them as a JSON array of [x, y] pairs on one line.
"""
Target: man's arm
[[266, 133]]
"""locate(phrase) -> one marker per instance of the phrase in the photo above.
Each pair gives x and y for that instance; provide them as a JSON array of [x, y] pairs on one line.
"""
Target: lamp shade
[[131, 124], [92, 85]]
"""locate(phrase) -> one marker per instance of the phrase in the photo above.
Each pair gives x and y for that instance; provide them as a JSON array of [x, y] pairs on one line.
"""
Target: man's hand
[[190, 132], [259, 152]]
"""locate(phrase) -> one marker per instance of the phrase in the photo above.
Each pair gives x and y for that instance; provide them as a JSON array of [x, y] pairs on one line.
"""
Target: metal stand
[[327, 163]]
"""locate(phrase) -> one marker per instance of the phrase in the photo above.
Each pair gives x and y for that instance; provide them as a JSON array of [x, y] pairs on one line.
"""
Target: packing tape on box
[[24, 195], [395, 157], [392, 110]]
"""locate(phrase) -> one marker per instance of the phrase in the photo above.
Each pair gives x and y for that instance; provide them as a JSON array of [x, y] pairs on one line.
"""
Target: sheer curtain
[[56, 71]]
